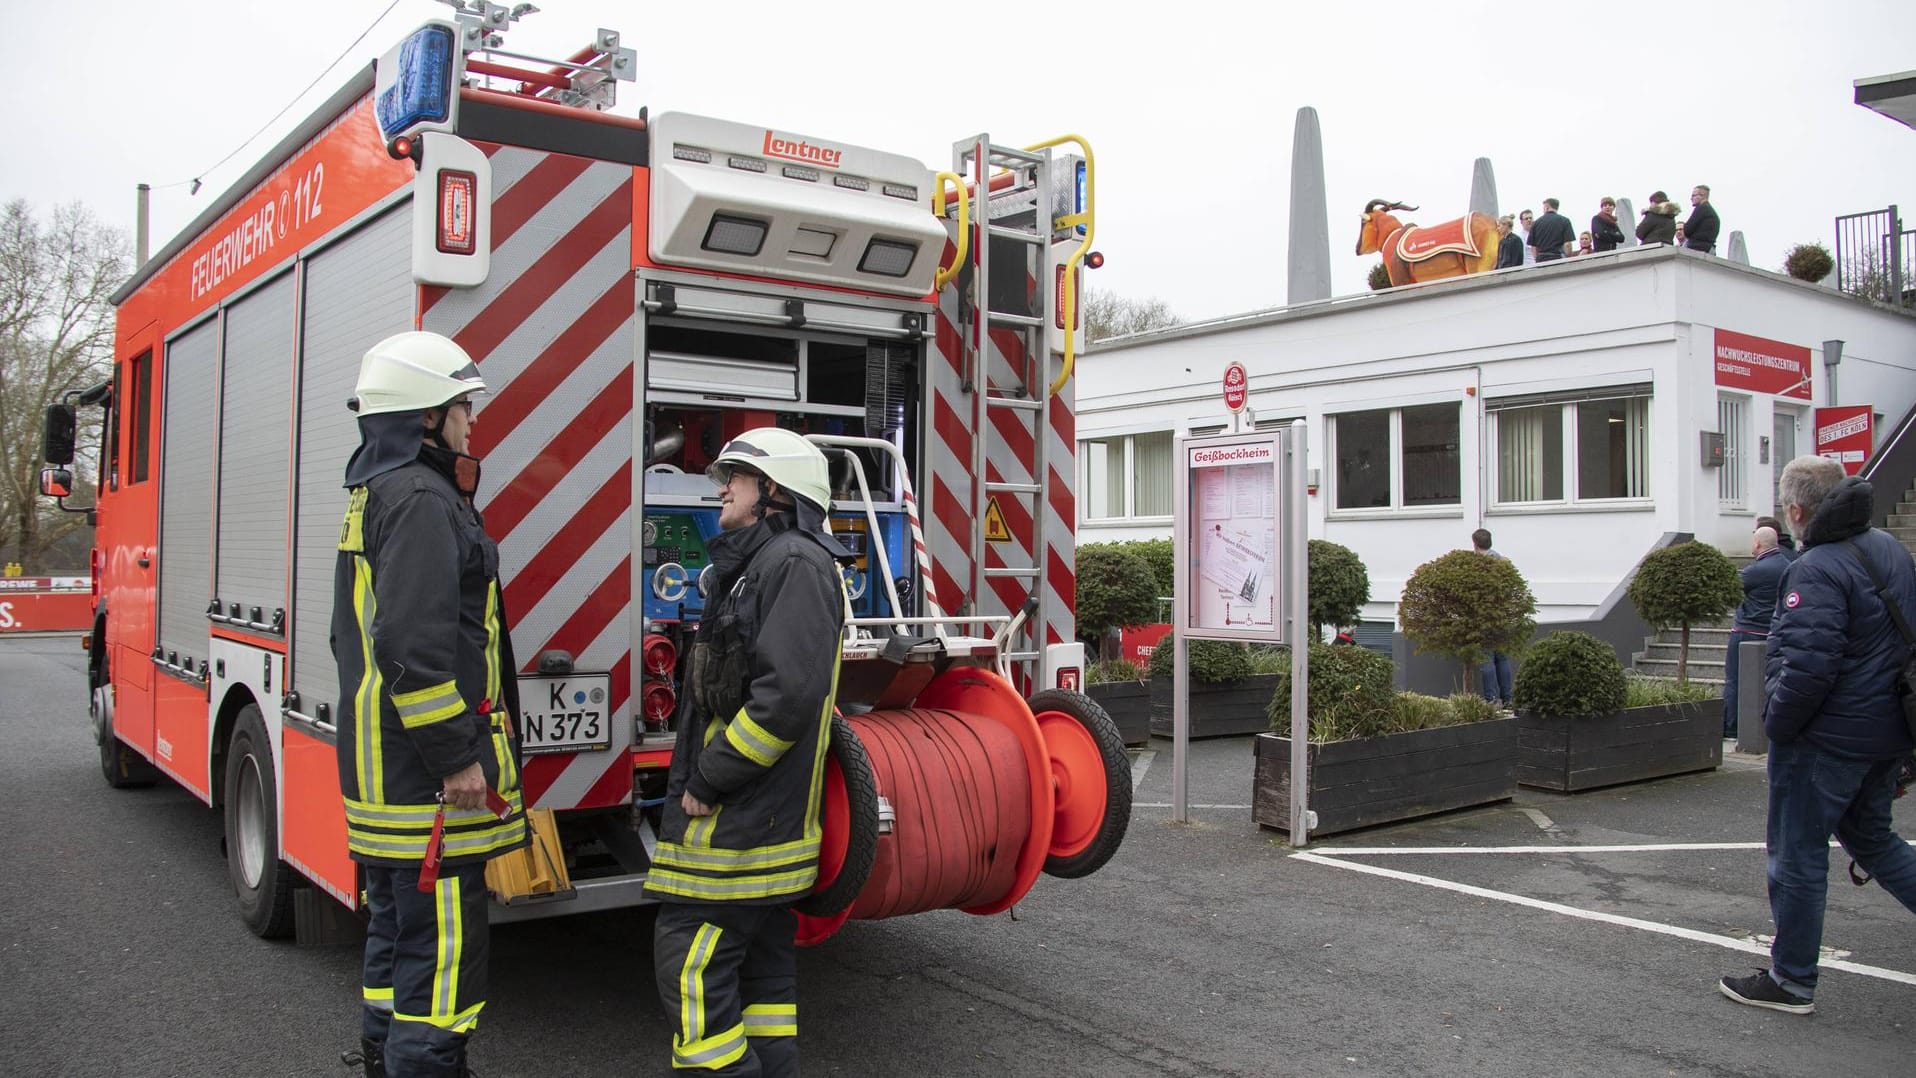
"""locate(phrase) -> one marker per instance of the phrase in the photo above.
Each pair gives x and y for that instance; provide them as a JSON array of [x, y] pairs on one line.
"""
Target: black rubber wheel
[[1117, 782], [263, 882], [120, 766], [861, 846]]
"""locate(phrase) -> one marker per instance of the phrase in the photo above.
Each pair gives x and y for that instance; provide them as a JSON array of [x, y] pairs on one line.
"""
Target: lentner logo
[[791, 149]]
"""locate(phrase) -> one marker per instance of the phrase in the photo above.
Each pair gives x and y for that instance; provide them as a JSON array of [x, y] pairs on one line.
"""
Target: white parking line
[[1728, 942], [1167, 804], [1140, 765], [1656, 847]]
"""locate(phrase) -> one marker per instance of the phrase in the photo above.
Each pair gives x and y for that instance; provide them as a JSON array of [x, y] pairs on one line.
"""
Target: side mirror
[[56, 482], [57, 446]]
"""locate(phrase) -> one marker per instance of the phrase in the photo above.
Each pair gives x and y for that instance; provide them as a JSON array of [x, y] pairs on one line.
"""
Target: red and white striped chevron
[[1010, 457], [552, 330]]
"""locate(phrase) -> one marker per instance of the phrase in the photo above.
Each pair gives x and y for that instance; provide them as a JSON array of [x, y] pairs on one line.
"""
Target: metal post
[[1291, 508], [139, 225], [1750, 737], [1180, 623], [1895, 256], [1832, 358]]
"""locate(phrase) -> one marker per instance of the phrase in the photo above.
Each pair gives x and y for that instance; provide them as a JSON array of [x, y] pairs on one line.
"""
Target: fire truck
[[636, 291]]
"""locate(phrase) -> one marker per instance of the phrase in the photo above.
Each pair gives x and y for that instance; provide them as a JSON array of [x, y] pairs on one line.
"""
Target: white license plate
[[565, 714]]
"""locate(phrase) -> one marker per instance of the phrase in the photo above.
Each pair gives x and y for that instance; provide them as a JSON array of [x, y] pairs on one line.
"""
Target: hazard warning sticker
[[995, 529], [1792, 599]]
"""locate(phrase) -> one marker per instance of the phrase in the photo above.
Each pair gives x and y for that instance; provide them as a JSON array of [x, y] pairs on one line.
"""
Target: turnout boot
[[371, 1055]]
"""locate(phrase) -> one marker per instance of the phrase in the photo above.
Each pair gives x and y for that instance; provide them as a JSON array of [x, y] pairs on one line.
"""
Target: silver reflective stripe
[[727, 1043], [671, 853], [752, 739]]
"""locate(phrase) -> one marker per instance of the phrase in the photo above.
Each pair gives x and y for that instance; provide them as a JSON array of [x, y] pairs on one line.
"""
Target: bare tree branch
[[1107, 314]]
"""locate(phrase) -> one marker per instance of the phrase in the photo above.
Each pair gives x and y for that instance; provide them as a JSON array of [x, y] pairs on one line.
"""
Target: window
[[1398, 458], [1569, 451], [141, 432], [1732, 414], [1127, 476]]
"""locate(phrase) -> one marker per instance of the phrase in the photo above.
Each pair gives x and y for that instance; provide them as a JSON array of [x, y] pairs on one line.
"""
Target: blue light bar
[[422, 89], [1083, 196]]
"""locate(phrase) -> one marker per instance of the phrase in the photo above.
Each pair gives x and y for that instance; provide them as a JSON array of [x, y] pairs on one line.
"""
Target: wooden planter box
[[1129, 705], [1224, 709], [1569, 754], [1395, 777]]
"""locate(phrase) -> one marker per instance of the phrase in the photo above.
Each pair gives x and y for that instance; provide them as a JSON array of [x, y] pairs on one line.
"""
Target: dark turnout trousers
[[425, 971], [728, 976]]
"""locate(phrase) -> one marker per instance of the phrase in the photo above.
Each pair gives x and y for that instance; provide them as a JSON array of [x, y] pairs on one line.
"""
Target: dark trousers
[[1493, 678], [1815, 794], [728, 976], [425, 969], [1731, 664]]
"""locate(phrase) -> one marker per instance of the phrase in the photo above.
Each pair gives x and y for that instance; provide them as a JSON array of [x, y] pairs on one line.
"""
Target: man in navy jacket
[[1835, 721], [1760, 579]]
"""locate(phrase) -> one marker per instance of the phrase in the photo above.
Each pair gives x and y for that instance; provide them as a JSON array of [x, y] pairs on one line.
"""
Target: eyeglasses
[[465, 403]]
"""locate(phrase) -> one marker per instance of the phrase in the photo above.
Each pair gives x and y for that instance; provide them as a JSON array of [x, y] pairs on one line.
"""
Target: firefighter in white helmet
[[740, 836], [427, 755]]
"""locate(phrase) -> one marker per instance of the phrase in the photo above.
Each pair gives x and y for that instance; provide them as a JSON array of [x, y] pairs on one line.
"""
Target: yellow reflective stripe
[[463, 1022], [420, 816], [816, 797], [494, 691], [753, 741], [692, 984], [445, 971], [762, 885], [502, 752], [379, 999], [369, 752], [423, 707], [712, 727], [413, 847], [352, 530], [771, 1020], [720, 860], [698, 829], [711, 1053]]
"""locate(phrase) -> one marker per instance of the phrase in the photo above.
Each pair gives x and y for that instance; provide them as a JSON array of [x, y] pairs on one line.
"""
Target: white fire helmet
[[785, 457], [411, 372]]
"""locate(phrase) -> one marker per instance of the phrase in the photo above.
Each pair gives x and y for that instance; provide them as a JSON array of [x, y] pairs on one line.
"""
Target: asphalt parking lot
[[1552, 935]]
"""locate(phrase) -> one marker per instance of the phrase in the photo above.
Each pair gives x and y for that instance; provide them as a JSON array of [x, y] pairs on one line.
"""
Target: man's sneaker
[[1761, 990]]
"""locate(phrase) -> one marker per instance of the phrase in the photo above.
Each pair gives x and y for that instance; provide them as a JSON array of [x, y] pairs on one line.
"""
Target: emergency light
[[423, 83]]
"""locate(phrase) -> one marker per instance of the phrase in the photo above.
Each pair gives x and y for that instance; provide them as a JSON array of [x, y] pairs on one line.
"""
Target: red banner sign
[[44, 611], [1761, 365], [1846, 435], [1138, 644]]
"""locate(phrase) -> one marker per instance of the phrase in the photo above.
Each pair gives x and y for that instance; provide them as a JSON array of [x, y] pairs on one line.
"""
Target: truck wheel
[[123, 768], [1091, 776], [263, 882], [855, 816]]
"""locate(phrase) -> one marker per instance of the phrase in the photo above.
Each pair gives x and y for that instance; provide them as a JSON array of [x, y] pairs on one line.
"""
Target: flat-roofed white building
[[1564, 407]]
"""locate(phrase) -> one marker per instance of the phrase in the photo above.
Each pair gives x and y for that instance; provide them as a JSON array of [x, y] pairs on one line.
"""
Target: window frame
[[1124, 473], [1570, 450], [1395, 429]]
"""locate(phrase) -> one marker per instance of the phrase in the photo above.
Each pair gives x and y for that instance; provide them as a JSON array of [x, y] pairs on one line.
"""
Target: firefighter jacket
[[425, 670], [755, 722]]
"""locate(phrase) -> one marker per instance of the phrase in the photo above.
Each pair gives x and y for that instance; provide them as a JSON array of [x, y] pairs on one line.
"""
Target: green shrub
[[1808, 262], [1347, 694], [1269, 660], [1161, 553], [1116, 590], [1570, 673], [1105, 671], [1466, 605], [1681, 585], [1212, 662], [1652, 691], [1415, 711], [1339, 585]]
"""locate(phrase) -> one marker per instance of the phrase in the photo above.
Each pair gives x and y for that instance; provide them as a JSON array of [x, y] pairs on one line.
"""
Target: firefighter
[[740, 834], [427, 754]]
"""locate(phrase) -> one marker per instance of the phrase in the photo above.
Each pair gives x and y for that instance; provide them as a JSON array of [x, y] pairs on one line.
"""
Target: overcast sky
[[1189, 105]]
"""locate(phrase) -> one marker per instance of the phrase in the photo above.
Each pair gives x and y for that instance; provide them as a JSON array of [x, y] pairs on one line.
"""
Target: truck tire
[[861, 846], [263, 882], [1093, 777], [122, 767]]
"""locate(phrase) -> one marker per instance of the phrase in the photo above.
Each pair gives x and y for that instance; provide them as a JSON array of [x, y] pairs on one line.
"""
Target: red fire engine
[[636, 290]]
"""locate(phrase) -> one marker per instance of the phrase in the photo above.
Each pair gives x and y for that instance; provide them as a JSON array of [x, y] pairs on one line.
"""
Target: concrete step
[[1705, 654], [1705, 674], [1711, 636], [1902, 520], [1907, 535]]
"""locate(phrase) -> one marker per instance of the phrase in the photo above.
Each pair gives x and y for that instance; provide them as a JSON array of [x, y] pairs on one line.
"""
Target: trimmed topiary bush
[[1116, 590], [1163, 558], [1339, 585], [1467, 604], [1570, 674], [1681, 585], [1808, 262], [1212, 661], [1348, 694]]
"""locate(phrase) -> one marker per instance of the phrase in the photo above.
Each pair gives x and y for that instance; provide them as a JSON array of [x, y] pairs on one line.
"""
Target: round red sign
[[1237, 385]]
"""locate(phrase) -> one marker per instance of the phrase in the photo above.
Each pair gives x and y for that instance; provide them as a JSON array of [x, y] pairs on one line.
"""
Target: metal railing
[[1874, 255]]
